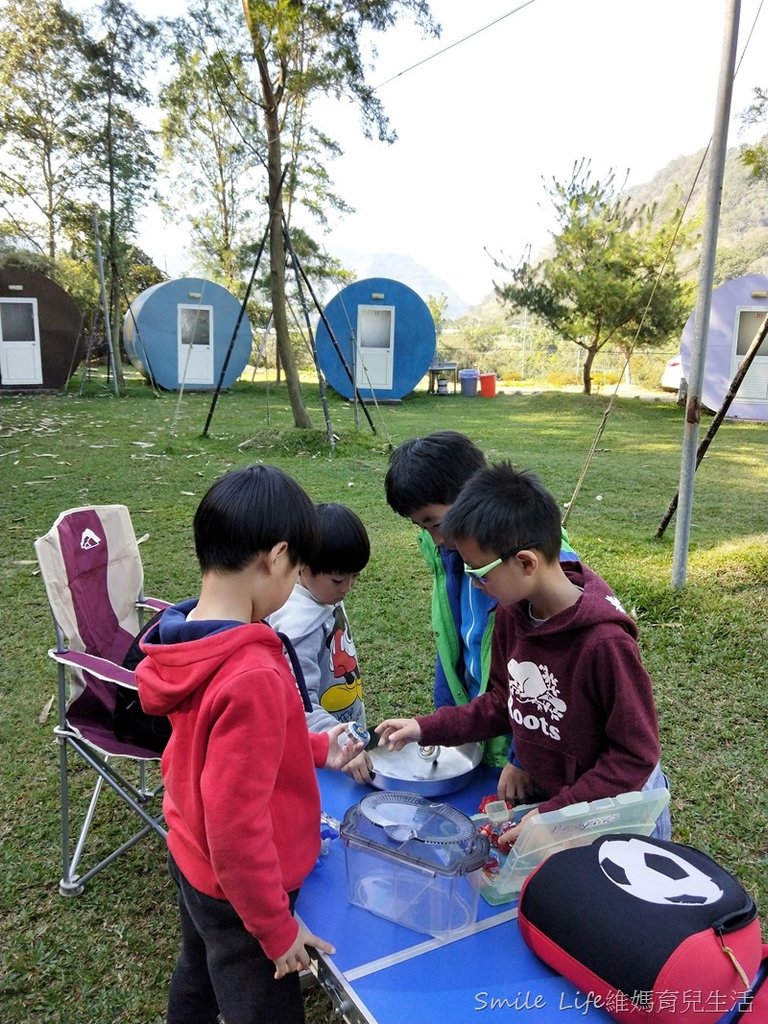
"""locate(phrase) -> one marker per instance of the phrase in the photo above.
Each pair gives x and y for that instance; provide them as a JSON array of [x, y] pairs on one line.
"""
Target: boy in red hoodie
[[241, 800], [567, 676]]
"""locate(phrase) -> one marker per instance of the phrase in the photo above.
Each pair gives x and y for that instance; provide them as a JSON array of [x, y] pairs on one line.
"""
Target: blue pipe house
[[385, 336], [177, 334]]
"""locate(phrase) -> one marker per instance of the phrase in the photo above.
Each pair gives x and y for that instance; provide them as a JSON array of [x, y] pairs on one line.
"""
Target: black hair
[[503, 508], [344, 546], [430, 470], [250, 510]]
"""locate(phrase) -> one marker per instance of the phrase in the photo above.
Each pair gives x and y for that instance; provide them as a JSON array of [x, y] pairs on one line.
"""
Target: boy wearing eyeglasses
[[566, 674], [424, 479]]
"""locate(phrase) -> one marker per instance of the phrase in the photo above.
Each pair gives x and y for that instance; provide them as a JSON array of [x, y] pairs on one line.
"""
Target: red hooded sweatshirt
[[573, 691], [241, 800]]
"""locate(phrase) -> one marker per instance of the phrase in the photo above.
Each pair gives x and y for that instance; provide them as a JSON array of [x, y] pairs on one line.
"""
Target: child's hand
[[360, 768], [510, 835], [394, 733], [338, 756], [514, 785], [296, 957]]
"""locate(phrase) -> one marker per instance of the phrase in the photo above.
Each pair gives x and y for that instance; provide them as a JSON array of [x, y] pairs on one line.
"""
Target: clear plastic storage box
[[413, 861], [575, 825]]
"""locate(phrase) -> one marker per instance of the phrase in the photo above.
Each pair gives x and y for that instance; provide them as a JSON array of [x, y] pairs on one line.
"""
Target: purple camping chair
[[90, 564]]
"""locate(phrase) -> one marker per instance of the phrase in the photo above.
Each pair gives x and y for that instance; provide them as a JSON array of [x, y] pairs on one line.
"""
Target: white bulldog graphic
[[535, 685]]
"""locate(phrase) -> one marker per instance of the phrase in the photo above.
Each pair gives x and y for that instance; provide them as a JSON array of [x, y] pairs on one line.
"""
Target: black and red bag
[[651, 931]]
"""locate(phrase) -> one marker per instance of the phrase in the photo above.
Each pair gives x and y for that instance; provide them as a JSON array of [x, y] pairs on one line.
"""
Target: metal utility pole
[[704, 297]]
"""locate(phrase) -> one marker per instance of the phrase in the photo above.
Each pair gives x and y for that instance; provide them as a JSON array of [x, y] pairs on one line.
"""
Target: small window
[[17, 321], [749, 324], [195, 325]]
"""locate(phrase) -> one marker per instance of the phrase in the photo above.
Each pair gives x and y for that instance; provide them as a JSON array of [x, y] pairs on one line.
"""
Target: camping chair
[[91, 566]]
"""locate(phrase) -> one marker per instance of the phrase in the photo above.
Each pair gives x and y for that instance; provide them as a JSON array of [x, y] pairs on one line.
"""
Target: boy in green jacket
[[424, 479]]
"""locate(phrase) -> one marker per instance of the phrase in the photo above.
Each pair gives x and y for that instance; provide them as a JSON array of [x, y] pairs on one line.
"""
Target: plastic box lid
[[574, 825], [407, 828]]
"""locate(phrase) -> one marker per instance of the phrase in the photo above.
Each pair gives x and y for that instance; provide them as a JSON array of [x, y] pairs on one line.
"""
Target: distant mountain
[[402, 268], [488, 310]]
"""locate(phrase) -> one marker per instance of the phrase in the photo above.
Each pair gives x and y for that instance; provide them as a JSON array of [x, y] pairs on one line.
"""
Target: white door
[[195, 334], [754, 387], [375, 346], [20, 342]]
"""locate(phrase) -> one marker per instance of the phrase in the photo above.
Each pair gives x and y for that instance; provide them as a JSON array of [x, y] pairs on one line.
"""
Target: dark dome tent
[[40, 332]]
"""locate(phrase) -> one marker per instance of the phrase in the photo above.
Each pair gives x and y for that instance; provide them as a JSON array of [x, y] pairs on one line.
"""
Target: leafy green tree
[[75, 262], [302, 50], [609, 279], [123, 162], [44, 155], [755, 156], [213, 144]]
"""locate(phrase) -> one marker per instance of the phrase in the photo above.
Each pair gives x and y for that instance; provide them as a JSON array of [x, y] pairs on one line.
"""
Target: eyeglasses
[[479, 574]]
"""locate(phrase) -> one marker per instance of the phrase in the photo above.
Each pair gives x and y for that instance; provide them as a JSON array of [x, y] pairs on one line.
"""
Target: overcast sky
[[629, 84]]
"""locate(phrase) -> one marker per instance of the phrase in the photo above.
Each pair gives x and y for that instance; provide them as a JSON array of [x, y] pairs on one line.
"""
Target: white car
[[672, 375]]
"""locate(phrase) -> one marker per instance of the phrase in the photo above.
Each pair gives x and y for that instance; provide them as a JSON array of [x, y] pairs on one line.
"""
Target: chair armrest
[[102, 668], [154, 603]]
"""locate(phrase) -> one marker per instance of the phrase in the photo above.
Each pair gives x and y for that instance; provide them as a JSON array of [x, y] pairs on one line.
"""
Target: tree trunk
[[278, 252], [270, 102], [586, 374], [277, 285], [277, 271], [114, 270], [626, 351]]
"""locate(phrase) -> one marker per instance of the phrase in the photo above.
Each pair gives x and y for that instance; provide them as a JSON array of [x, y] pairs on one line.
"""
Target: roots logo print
[[535, 685], [89, 540], [656, 875]]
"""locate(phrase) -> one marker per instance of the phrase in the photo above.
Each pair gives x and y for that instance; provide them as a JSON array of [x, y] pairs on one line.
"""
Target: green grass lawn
[[105, 957]]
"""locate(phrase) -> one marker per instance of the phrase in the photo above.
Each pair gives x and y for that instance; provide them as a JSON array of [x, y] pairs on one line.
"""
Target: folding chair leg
[[72, 884], [69, 884], [84, 879], [132, 796], [87, 821], [144, 790]]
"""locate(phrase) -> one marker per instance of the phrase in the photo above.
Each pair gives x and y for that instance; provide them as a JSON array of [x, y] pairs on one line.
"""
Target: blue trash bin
[[468, 381]]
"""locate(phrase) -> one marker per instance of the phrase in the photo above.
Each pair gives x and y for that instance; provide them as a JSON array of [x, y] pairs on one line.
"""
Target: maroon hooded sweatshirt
[[574, 693]]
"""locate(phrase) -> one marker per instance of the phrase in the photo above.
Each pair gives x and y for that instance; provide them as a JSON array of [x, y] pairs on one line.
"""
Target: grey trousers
[[222, 969]]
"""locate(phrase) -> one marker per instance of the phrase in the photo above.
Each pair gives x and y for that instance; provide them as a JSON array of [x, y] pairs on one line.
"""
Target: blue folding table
[[383, 973]]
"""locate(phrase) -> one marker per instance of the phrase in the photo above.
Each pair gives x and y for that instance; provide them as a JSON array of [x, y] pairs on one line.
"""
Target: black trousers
[[222, 969]]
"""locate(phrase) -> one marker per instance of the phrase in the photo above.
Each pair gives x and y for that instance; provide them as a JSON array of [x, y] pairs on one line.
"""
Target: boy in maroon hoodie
[[570, 683], [241, 798]]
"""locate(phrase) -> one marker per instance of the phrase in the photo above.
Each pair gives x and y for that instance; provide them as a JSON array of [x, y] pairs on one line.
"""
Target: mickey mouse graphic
[[343, 662]]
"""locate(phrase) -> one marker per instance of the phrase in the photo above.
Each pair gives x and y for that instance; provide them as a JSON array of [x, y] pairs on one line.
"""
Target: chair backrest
[[91, 566]]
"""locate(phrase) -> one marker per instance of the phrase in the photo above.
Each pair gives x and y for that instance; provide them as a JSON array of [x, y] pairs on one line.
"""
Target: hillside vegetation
[[743, 228]]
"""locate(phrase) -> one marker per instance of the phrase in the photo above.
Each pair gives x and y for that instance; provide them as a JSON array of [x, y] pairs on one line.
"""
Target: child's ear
[[528, 561], [281, 548]]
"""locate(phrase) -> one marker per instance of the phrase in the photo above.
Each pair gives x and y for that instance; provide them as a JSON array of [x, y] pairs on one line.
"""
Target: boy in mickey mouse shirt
[[315, 621]]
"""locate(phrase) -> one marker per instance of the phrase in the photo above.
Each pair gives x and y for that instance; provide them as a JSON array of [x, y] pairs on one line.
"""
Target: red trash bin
[[488, 385]]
